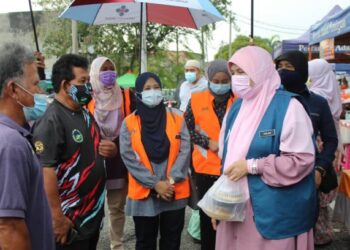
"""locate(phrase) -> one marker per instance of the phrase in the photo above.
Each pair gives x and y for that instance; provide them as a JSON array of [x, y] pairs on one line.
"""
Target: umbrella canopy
[[127, 80], [186, 13]]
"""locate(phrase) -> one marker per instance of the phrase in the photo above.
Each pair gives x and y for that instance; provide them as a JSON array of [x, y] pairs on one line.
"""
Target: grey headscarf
[[213, 68]]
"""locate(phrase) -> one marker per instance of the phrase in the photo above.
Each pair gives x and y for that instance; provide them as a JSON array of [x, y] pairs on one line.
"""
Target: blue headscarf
[[153, 123]]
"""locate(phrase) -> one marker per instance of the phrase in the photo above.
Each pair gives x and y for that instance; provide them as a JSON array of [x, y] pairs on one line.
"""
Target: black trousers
[[208, 235], [87, 244], [170, 225]]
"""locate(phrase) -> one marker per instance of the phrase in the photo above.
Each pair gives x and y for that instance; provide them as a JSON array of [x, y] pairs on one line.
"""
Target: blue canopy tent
[[302, 42]]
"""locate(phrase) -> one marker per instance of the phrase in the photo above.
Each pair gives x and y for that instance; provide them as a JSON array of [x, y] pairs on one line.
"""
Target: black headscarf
[[153, 123], [294, 81]]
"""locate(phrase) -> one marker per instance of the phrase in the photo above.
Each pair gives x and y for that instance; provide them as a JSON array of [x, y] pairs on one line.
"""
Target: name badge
[[267, 133]]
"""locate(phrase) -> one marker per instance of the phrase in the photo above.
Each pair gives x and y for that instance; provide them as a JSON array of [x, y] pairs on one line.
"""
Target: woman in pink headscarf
[[109, 116], [266, 140], [325, 84]]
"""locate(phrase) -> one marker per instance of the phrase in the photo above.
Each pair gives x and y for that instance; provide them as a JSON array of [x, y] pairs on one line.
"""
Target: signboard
[[332, 27], [327, 49]]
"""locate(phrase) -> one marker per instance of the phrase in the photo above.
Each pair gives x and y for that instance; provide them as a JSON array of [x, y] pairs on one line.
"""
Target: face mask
[[241, 86], [152, 97], [220, 89], [108, 78], [39, 108], [81, 94], [190, 76], [292, 81]]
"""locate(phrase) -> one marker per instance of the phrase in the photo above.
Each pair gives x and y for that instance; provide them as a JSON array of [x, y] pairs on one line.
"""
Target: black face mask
[[292, 81], [81, 94]]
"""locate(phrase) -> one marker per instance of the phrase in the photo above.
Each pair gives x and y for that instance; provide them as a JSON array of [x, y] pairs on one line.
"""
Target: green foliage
[[240, 42]]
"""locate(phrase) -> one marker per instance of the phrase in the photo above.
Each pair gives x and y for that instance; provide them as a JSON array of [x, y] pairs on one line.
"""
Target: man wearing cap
[[194, 83]]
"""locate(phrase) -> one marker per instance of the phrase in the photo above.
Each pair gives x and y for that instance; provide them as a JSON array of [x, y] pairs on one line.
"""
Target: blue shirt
[[22, 193]]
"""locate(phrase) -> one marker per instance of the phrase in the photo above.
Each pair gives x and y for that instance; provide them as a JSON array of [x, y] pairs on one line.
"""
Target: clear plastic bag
[[225, 200]]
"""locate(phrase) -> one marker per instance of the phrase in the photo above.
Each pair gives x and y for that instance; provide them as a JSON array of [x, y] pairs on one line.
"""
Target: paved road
[[341, 242]]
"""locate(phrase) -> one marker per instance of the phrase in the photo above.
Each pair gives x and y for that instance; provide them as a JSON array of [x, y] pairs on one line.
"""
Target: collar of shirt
[[7, 121]]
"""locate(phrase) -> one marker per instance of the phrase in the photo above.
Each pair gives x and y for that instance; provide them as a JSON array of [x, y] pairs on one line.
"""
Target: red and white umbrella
[[185, 13]]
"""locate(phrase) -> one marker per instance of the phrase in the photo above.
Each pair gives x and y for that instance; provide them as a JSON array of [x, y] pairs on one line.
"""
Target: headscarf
[[257, 63], [153, 123], [216, 67], [325, 84], [108, 102], [299, 62]]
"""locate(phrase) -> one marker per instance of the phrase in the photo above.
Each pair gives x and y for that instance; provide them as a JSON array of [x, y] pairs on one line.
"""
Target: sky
[[286, 18]]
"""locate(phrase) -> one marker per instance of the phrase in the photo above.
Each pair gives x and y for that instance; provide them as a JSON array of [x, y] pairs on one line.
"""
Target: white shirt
[[187, 89]]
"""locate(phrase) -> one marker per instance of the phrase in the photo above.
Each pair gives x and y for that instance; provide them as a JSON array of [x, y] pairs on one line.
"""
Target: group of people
[[249, 118]]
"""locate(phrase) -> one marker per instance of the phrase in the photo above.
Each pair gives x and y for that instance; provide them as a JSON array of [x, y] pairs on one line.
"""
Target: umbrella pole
[[143, 36], [33, 23]]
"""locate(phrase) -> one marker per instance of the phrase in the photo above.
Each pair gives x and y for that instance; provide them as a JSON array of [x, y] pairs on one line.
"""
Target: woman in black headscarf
[[293, 70], [155, 147], [204, 115]]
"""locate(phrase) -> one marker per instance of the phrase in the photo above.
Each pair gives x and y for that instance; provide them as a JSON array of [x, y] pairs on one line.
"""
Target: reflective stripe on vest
[[207, 124], [173, 128]]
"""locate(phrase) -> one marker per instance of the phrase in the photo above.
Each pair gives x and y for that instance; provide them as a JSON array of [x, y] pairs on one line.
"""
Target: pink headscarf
[[324, 83], [257, 63], [108, 102]]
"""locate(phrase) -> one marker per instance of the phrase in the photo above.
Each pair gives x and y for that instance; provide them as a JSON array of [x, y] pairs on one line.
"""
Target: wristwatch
[[171, 180], [321, 170]]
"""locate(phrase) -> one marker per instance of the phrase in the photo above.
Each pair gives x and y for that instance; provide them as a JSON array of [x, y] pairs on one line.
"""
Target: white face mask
[[152, 97], [241, 85]]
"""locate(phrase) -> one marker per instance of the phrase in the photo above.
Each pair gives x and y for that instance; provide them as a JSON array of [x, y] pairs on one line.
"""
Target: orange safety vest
[[126, 103], [173, 128], [206, 121]]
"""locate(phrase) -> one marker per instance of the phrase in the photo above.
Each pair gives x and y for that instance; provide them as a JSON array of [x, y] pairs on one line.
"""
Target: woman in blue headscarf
[[155, 147]]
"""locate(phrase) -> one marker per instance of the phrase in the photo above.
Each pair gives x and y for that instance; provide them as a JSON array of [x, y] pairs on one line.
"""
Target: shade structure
[[185, 13], [127, 80], [191, 14]]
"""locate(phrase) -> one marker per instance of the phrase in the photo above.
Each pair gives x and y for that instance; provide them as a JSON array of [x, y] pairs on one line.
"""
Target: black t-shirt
[[68, 141]]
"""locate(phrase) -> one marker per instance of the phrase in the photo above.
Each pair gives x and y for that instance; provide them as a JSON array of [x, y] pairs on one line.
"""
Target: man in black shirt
[[67, 140]]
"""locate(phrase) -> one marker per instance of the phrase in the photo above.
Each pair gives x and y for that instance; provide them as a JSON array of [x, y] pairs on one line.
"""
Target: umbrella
[[185, 13], [127, 80]]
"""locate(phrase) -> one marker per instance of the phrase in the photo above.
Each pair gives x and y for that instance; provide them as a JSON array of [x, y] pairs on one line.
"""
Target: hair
[[13, 59], [63, 69]]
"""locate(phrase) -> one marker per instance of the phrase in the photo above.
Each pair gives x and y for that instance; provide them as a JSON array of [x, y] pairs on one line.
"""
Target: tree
[[240, 42]]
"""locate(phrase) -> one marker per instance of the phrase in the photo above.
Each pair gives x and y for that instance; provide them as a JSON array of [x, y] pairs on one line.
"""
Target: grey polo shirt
[[22, 193]]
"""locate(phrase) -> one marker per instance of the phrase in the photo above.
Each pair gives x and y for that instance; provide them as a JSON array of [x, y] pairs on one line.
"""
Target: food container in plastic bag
[[225, 200]]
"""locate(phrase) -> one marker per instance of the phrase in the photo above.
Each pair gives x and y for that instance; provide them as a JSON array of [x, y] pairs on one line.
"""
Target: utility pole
[[230, 38], [252, 21], [74, 37]]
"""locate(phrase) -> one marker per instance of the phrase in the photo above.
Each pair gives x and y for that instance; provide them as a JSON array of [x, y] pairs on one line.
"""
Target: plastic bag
[[225, 200]]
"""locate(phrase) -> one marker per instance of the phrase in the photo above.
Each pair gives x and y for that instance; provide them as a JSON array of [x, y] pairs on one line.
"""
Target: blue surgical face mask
[[190, 76], [39, 108], [152, 97], [220, 88]]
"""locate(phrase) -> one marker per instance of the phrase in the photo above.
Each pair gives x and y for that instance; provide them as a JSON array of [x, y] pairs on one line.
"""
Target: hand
[[61, 227], [237, 170], [318, 179], [165, 190], [213, 146], [40, 59], [214, 223], [107, 149]]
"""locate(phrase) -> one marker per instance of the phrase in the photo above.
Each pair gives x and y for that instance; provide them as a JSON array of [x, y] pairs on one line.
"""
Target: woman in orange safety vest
[[155, 147]]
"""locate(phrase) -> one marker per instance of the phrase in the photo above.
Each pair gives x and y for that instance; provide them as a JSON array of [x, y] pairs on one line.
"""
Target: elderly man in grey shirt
[[25, 219]]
